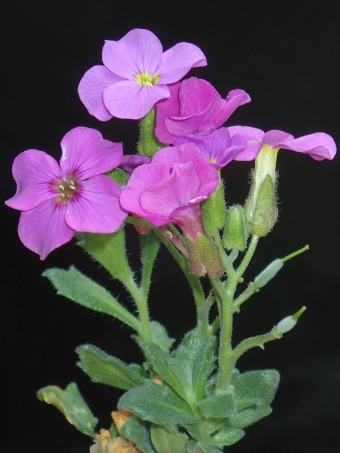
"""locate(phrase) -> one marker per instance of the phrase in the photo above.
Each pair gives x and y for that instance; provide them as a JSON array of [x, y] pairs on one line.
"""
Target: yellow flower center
[[146, 79], [66, 189]]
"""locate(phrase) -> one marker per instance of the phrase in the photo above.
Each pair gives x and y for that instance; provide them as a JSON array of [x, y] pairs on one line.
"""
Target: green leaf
[[255, 387], [194, 447], [80, 289], [166, 441], [158, 360], [149, 249], [226, 437], [160, 336], [203, 366], [218, 406], [106, 369], [72, 405], [110, 251], [137, 431], [157, 404], [249, 416]]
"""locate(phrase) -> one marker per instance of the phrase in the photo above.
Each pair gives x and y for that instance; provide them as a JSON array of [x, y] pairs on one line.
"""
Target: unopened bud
[[214, 211], [287, 324], [236, 230], [204, 257], [261, 205]]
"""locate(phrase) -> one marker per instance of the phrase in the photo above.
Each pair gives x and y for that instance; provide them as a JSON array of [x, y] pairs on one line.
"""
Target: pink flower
[[217, 147], [318, 145], [171, 188], [58, 200], [135, 75], [194, 107]]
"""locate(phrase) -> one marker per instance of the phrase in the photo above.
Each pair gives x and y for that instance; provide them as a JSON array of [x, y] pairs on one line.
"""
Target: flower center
[[146, 79], [66, 189]]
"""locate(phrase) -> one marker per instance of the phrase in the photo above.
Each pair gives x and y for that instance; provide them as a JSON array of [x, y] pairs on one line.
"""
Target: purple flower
[[194, 107], [217, 147], [58, 200], [135, 75], [171, 188], [318, 145]]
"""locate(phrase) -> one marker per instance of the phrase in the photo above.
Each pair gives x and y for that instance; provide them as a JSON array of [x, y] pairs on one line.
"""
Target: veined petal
[[253, 136], [318, 145], [34, 172], [177, 190], [132, 161], [167, 107], [178, 60], [97, 208], [195, 96], [274, 137], [43, 229], [91, 88], [132, 101], [143, 177], [138, 51], [87, 154]]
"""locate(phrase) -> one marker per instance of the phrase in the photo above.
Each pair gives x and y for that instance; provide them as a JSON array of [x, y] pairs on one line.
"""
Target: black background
[[286, 56]]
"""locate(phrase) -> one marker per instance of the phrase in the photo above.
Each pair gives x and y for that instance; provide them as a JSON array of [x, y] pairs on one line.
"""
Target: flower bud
[[214, 211], [261, 205], [287, 324], [236, 230], [204, 257]]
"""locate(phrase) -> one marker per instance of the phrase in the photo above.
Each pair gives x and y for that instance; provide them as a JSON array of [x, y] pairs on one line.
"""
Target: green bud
[[261, 205], [204, 257], [236, 230], [268, 273], [214, 210]]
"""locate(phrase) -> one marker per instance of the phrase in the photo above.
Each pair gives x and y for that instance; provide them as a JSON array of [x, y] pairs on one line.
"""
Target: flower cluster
[[136, 77]]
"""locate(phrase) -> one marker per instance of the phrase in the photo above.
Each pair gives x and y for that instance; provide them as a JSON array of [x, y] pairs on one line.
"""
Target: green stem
[[253, 342], [148, 144], [247, 257], [142, 307], [193, 280], [251, 289]]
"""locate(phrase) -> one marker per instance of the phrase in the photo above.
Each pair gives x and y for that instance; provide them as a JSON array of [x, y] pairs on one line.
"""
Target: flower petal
[[132, 101], [97, 208], [138, 51], [43, 229], [177, 190], [143, 177], [87, 154], [319, 145], [164, 108], [132, 161], [34, 172], [178, 60], [91, 88], [253, 136]]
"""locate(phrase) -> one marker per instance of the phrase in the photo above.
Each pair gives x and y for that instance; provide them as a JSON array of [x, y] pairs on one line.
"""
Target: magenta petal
[[235, 99], [164, 108], [132, 101], [274, 137], [177, 62], [91, 88], [319, 145], [34, 172], [177, 190], [254, 138], [85, 153], [97, 208], [131, 162], [143, 177], [138, 51], [43, 228], [195, 96]]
